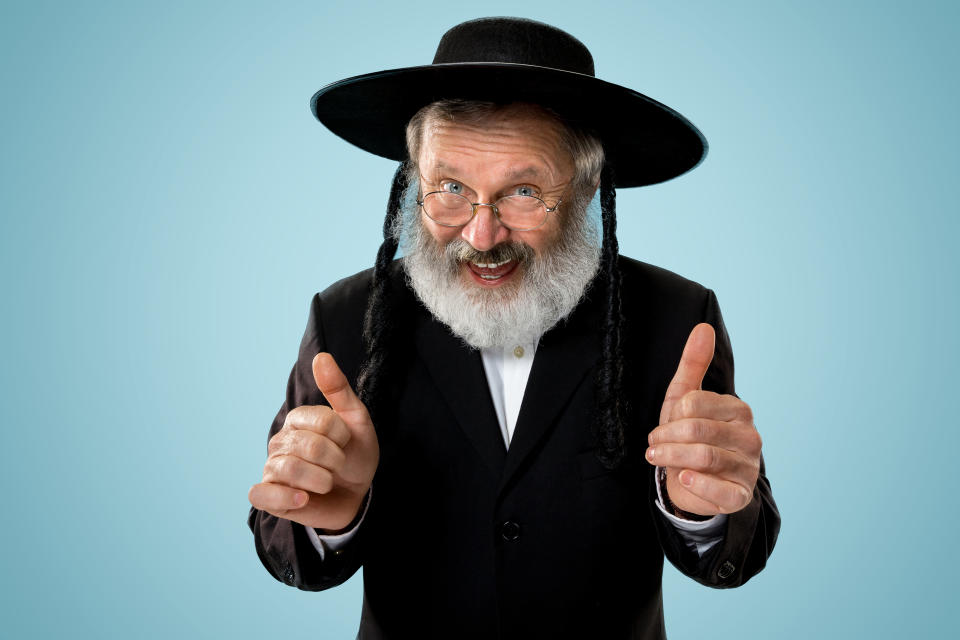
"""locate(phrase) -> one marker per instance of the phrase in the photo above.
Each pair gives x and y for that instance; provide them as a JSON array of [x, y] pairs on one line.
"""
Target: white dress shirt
[[507, 370]]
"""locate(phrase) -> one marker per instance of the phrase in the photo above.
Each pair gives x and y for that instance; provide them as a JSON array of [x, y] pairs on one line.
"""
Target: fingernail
[[650, 454], [686, 478], [299, 499]]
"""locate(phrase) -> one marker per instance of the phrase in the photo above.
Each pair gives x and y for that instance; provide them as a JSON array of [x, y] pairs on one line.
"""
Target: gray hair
[[584, 147]]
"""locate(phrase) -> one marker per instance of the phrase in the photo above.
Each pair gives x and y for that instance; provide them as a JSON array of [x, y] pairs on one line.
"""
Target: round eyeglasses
[[520, 213]]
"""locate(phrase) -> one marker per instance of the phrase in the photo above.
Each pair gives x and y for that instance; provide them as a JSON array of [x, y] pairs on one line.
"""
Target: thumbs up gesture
[[706, 441], [321, 462]]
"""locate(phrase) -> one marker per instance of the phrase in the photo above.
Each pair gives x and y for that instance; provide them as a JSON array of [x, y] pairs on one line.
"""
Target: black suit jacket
[[466, 539]]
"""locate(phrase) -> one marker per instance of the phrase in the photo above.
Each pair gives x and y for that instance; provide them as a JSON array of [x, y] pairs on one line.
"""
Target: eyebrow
[[514, 174]]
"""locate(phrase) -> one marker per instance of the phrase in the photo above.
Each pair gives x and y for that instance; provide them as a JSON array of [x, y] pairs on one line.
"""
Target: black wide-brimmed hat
[[515, 60]]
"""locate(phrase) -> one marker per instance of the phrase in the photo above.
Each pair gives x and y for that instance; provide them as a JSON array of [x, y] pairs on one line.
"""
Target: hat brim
[[646, 142]]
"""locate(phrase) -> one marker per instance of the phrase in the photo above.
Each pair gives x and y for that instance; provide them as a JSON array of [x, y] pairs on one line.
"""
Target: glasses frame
[[492, 205]]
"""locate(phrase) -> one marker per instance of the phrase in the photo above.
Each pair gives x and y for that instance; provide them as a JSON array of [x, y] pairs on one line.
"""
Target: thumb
[[696, 358], [336, 389]]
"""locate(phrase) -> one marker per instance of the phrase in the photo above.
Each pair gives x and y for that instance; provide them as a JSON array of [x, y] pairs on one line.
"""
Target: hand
[[706, 441], [321, 462]]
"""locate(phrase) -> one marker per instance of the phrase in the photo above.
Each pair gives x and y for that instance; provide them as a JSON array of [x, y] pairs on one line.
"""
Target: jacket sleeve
[[283, 545], [750, 533]]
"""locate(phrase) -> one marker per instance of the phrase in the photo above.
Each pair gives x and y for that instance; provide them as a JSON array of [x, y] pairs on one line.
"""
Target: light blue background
[[169, 206]]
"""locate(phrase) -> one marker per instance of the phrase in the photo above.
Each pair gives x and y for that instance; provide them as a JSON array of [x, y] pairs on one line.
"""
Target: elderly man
[[537, 420]]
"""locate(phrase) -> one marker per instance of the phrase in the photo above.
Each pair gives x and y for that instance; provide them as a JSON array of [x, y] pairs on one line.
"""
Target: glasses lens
[[447, 208], [521, 212]]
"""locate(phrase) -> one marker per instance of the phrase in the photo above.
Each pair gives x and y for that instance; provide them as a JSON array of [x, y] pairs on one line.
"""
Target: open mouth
[[491, 273]]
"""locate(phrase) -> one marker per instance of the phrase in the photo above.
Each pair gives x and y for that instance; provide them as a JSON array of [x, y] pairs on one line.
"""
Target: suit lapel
[[457, 371], [564, 356]]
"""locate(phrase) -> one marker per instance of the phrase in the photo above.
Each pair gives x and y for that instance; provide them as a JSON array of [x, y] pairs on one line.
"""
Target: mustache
[[461, 251]]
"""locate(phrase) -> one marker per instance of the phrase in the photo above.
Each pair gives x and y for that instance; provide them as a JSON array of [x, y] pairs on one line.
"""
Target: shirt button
[[518, 351], [510, 531]]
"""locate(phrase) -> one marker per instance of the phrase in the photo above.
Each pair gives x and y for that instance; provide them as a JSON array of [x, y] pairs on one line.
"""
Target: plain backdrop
[[169, 206]]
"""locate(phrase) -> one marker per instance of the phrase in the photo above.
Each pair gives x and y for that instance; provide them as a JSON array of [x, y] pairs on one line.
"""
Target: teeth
[[491, 277], [490, 265]]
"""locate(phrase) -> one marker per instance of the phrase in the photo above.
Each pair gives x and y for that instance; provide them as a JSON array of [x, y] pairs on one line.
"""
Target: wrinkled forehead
[[514, 143]]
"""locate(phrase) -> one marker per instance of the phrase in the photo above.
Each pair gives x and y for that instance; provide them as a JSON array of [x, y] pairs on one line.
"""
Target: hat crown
[[514, 41]]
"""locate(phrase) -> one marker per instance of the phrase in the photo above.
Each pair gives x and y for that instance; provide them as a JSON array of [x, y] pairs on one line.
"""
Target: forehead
[[514, 143]]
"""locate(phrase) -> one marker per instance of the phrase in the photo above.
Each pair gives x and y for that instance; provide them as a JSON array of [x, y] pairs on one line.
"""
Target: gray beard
[[548, 288]]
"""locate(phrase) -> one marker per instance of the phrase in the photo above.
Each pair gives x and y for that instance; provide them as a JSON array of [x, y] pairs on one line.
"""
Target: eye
[[452, 187], [524, 190]]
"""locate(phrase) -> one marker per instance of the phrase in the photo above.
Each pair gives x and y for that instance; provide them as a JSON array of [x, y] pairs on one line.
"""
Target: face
[[515, 152], [491, 285]]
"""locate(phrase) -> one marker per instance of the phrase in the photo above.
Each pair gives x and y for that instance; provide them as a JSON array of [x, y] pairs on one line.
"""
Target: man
[[537, 421]]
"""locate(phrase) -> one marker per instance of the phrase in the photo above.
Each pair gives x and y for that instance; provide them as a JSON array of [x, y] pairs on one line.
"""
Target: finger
[[694, 362], [707, 404], [700, 457], [297, 473], [276, 499], [336, 389], [728, 496], [726, 435], [318, 419], [312, 447]]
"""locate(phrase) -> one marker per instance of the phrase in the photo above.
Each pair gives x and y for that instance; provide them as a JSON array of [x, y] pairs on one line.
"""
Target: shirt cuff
[[699, 535], [326, 543]]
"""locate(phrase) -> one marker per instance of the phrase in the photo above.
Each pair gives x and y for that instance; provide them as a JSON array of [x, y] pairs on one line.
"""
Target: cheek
[[540, 240], [441, 235]]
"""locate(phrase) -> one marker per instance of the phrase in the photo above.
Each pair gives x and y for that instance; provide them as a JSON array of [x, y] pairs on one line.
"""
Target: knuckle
[[324, 421], [316, 449], [286, 467], [698, 431], [706, 457], [295, 415], [757, 441], [345, 435], [269, 470], [335, 458], [277, 442], [324, 481], [323, 450]]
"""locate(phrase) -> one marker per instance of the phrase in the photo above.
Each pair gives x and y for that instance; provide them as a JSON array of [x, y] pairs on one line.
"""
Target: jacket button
[[726, 570], [510, 531]]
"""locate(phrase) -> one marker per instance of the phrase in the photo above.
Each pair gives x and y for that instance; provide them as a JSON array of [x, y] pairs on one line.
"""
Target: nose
[[484, 231]]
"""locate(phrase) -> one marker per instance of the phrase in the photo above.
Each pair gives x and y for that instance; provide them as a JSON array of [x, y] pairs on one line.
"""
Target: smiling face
[[492, 285], [516, 151]]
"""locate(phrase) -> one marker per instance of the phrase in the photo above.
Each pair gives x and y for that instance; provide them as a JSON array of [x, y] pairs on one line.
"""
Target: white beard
[[548, 288]]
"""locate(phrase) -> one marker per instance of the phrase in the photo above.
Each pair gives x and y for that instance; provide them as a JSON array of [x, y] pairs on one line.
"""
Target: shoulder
[[347, 290], [339, 309], [661, 303], [654, 283], [347, 294]]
